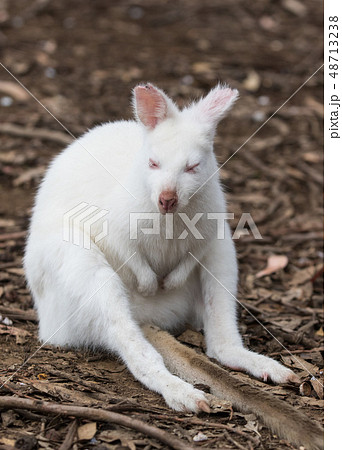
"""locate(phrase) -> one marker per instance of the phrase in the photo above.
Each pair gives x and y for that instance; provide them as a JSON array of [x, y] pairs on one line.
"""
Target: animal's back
[[90, 169], [76, 176]]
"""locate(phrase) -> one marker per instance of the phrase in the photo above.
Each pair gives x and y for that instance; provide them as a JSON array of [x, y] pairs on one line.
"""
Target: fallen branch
[[19, 314], [95, 415], [40, 133]]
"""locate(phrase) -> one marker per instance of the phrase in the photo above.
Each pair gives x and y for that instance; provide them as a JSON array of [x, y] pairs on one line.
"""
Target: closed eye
[[153, 164], [191, 169]]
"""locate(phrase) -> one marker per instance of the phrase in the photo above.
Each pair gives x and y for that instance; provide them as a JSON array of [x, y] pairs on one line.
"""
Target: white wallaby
[[162, 163]]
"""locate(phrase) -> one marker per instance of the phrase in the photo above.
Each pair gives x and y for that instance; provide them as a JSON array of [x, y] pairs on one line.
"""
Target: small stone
[[200, 437], [50, 72], [6, 101], [7, 321], [263, 100], [258, 116]]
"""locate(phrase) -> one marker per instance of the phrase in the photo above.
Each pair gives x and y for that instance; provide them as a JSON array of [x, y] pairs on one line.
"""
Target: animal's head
[[177, 153]]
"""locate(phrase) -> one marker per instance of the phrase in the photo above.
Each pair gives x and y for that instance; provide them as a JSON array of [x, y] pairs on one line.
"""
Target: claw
[[293, 378], [203, 406], [264, 377]]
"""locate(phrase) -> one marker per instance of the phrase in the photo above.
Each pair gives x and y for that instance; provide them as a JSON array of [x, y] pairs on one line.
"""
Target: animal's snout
[[168, 201]]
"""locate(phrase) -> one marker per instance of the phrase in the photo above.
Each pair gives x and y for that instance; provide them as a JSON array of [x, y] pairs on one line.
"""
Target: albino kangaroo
[[162, 163]]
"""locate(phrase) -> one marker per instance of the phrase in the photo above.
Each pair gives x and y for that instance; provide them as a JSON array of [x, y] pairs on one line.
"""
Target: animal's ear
[[212, 108], [151, 105]]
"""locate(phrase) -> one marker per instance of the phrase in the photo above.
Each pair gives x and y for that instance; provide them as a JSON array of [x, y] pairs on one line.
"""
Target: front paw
[[183, 397], [148, 285], [257, 365]]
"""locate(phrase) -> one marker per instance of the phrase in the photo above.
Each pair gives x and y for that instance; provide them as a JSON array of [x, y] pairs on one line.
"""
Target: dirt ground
[[81, 59]]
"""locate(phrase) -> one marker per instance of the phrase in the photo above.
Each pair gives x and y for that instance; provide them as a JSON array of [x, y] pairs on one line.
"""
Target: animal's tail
[[282, 418]]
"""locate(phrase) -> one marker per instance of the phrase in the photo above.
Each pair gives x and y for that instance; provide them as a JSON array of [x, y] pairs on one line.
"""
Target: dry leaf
[[318, 387], [6, 441], [8, 418], [305, 389], [87, 431], [320, 332], [295, 361], [253, 425], [274, 263], [302, 276], [110, 436], [287, 324], [20, 335], [60, 391], [42, 376], [113, 435]]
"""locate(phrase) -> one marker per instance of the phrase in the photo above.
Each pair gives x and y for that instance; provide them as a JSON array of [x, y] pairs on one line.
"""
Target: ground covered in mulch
[[81, 59]]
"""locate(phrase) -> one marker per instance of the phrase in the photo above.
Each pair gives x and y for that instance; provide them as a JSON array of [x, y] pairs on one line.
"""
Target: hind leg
[[96, 307]]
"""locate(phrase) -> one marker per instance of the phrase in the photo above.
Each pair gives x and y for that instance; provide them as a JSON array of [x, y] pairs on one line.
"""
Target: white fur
[[84, 300]]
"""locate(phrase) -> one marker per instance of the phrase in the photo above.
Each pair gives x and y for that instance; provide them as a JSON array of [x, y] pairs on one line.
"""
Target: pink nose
[[167, 201]]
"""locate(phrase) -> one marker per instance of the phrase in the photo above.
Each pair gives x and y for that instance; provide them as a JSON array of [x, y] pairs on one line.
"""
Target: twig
[[122, 405], [309, 350], [12, 388], [14, 235], [291, 338], [9, 265], [312, 235], [314, 174], [95, 415], [70, 436], [87, 384], [195, 421], [233, 441], [28, 415], [19, 314], [255, 162], [40, 133]]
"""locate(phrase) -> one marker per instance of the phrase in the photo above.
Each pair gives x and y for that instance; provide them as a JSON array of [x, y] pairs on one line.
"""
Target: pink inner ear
[[151, 106], [214, 106]]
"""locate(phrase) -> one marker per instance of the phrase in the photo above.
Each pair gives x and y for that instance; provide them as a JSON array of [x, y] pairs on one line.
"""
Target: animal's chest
[[166, 248]]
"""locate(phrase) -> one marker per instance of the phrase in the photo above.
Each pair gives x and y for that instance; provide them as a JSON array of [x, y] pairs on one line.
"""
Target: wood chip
[[274, 263], [14, 90]]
